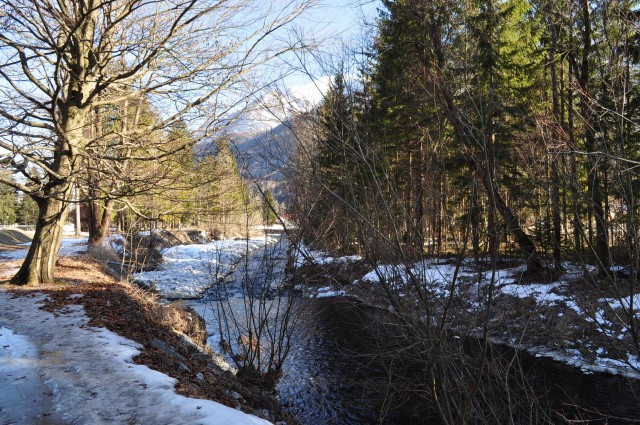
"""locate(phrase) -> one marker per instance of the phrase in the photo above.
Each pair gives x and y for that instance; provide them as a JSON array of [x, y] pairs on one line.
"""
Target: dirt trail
[[66, 371]]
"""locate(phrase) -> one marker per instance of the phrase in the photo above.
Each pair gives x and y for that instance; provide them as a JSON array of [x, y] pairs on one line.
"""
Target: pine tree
[[420, 53], [8, 205], [269, 208], [338, 180], [27, 211], [405, 122]]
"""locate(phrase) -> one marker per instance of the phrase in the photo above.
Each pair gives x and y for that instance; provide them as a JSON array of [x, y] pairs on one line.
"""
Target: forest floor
[[111, 348]]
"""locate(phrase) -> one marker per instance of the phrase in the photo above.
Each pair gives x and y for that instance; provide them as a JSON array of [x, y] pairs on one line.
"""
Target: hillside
[[261, 134], [10, 238]]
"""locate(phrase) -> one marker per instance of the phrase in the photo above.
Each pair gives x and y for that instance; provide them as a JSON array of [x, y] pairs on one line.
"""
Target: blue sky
[[337, 26], [344, 16]]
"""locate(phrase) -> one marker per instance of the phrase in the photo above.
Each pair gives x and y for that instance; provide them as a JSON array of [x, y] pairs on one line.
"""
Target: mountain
[[261, 134], [277, 107]]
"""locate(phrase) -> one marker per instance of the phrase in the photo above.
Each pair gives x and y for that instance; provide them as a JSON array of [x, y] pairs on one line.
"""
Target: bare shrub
[[256, 315]]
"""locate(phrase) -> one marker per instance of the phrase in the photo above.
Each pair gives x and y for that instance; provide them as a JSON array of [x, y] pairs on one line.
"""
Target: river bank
[[332, 360], [120, 320], [565, 319], [571, 355], [94, 342], [344, 365]]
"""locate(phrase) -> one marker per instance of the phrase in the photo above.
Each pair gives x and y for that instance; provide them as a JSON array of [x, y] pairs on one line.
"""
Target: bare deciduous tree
[[64, 59]]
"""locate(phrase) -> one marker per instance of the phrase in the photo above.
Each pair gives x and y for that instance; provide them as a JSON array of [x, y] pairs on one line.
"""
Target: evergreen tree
[[447, 61], [338, 180], [8, 205], [269, 206], [404, 119], [27, 211]]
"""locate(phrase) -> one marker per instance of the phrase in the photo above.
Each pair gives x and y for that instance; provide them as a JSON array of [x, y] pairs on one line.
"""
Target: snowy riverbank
[[65, 371], [188, 271], [548, 319], [71, 372]]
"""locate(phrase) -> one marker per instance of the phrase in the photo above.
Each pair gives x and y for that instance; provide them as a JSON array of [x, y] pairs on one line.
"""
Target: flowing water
[[321, 382], [334, 377], [333, 374]]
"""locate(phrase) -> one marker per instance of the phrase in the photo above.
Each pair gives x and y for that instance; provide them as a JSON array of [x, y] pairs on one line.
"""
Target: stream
[[332, 375], [335, 374]]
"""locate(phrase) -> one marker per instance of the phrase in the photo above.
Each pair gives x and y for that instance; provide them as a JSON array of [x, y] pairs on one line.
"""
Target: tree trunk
[[38, 266], [593, 172], [100, 221], [474, 217], [578, 228], [555, 182], [77, 218], [527, 247], [419, 197], [56, 195]]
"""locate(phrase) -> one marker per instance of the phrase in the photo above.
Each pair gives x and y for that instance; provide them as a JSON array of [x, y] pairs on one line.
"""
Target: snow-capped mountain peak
[[278, 106]]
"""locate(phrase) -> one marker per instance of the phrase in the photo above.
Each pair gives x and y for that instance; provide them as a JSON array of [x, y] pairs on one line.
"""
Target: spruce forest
[[480, 137], [485, 128]]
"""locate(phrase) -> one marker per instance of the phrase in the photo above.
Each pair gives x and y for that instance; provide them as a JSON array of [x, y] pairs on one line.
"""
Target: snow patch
[[327, 292], [69, 246], [92, 376], [189, 270], [542, 293]]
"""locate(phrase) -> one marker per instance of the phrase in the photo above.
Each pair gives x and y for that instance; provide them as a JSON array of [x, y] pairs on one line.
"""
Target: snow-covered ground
[[262, 274], [606, 316], [60, 370], [188, 270], [63, 371], [303, 255]]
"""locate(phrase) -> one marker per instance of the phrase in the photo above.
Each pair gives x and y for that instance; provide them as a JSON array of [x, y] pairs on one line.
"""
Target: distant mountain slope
[[261, 135], [271, 110], [263, 155]]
